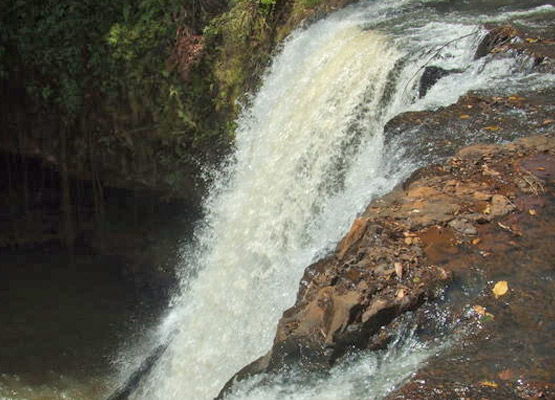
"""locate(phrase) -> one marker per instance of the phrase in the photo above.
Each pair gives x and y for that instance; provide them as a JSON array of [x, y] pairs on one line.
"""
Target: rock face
[[407, 246], [513, 245], [536, 44], [395, 256], [431, 75]]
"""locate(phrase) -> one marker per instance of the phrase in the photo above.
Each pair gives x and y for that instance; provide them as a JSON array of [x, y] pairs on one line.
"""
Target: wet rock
[[354, 235], [430, 76], [405, 247], [532, 42], [500, 206], [464, 227], [496, 37], [400, 251], [482, 196], [477, 151]]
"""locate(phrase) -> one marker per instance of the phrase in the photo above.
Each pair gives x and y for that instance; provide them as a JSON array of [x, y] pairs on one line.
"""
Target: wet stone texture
[[449, 234], [505, 347], [480, 116], [487, 211]]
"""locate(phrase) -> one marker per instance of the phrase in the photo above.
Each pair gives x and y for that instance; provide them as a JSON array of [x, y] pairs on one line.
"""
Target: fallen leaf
[[464, 116], [492, 128], [487, 210], [408, 240], [540, 169], [547, 121], [489, 384], [479, 309], [506, 375], [532, 212], [400, 293], [398, 269], [501, 288], [503, 226], [531, 40], [476, 241], [482, 312]]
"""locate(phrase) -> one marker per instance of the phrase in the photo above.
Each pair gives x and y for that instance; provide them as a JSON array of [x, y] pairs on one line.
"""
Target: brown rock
[[355, 234], [383, 267], [482, 196], [478, 151], [464, 227], [500, 206]]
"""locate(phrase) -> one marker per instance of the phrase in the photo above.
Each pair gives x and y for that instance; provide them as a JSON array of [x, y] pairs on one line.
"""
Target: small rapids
[[310, 154]]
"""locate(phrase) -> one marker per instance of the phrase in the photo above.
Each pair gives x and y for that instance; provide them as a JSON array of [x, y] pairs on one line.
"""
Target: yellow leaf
[[531, 40], [489, 384], [532, 212], [479, 309], [464, 116], [501, 288], [482, 311], [487, 210], [492, 128], [476, 241]]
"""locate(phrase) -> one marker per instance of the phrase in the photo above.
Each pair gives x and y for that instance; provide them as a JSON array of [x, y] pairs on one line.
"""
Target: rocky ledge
[[406, 246], [474, 208]]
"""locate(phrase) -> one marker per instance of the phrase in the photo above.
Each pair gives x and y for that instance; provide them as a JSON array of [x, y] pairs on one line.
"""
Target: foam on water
[[309, 155]]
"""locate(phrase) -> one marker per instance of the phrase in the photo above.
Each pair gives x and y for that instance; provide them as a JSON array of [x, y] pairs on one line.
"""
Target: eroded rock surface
[[405, 247]]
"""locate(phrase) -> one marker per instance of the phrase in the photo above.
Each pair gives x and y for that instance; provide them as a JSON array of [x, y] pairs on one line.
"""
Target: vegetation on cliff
[[136, 89], [133, 94]]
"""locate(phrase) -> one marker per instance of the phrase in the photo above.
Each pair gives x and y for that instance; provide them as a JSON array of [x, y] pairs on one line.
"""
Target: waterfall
[[309, 155]]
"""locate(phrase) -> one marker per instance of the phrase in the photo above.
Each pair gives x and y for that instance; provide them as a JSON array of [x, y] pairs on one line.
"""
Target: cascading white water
[[309, 156], [287, 149]]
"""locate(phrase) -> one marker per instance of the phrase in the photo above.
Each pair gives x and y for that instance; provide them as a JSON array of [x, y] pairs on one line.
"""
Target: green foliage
[[109, 72], [308, 3], [263, 6], [101, 69]]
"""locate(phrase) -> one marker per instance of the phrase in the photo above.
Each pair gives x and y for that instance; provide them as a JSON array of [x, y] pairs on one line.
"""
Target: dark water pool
[[63, 321]]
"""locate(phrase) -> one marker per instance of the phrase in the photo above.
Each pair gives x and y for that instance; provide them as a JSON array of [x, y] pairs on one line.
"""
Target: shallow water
[[62, 321], [510, 355]]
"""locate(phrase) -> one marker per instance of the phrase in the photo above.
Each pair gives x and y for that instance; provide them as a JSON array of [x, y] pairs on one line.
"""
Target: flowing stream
[[310, 154]]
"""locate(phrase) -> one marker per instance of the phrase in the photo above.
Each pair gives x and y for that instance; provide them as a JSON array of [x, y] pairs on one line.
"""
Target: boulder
[[430, 76]]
